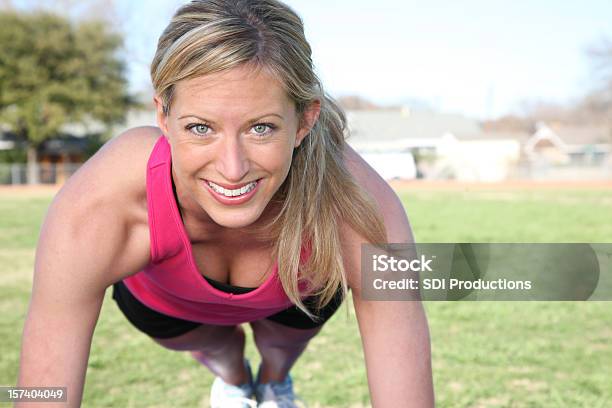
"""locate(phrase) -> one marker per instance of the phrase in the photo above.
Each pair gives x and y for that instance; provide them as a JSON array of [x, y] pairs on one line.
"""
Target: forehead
[[238, 89]]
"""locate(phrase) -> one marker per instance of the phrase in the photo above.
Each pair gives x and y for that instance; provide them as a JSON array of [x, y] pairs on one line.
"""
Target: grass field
[[502, 354]]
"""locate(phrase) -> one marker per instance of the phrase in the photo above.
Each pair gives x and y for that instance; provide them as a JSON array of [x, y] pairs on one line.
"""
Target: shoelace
[[239, 402], [234, 398], [284, 397], [284, 402], [251, 403]]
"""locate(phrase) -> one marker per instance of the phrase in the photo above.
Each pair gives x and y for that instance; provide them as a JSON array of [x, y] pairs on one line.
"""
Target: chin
[[234, 219]]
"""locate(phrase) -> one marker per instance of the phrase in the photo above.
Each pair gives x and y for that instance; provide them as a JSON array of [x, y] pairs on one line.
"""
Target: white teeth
[[232, 193]]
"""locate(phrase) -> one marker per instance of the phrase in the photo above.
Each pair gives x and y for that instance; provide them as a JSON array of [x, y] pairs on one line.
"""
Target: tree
[[601, 56], [599, 102], [355, 102], [53, 72]]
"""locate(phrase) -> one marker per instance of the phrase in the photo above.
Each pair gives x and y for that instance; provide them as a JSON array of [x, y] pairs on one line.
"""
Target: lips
[[232, 192], [232, 195]]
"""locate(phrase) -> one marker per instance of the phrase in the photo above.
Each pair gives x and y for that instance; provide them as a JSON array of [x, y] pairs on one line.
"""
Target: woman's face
[[232, 136]]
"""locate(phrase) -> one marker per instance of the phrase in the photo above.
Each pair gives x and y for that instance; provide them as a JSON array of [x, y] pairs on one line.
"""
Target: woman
[[245, 205]]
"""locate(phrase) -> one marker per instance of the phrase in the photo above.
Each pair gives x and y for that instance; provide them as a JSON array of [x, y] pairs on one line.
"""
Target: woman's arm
[[394, 334], [87, 242]]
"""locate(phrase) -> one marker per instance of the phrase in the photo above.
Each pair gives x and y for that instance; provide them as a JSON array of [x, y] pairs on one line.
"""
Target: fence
[[572, 172], [48, 173]]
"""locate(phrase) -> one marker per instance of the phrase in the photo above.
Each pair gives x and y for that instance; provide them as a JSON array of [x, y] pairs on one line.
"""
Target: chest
[[237, 264]]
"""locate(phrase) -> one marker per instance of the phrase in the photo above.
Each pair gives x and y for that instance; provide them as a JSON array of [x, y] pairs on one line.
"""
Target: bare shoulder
[[118, 167], [389, 205], [114, 177], [104, 204]]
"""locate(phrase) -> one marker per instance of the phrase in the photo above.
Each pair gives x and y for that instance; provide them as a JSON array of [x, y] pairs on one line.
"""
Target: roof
[[583, 135], [73, 137], [9, 140], [65, 144], [136, 118], [521, 137], [395, 125]]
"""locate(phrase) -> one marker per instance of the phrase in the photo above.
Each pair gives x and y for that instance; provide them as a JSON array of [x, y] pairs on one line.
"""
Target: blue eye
[[263, 128], [198, 128]]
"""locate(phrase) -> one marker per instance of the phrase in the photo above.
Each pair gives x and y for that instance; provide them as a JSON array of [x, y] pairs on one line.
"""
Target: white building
[[407, 144]]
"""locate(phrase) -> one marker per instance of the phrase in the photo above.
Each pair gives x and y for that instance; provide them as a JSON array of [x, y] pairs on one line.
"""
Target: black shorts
[[161, 326]]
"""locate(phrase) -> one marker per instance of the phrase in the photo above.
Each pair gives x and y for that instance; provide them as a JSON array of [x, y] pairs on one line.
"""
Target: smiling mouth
[[227, 192]]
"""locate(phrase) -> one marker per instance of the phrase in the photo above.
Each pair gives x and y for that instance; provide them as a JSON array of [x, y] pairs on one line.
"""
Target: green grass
[[20, 219], [485, 354], [510, 215]]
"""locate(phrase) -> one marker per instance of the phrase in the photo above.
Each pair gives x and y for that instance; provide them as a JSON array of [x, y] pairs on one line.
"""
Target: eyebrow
[[251, 121]]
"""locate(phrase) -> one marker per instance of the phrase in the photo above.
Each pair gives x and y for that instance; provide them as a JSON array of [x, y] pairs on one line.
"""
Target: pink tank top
[[171, 283]]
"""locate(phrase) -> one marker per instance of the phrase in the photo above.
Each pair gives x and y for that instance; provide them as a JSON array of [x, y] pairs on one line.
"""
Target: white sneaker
[[224, 395], [277, 394]]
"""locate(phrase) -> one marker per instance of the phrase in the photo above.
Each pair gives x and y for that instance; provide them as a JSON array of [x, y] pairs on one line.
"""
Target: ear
[[308, 120], [162, 118]]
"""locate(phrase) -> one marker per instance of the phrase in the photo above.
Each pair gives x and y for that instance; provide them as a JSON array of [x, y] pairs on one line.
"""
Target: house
[[410, 144], [8, 140], [482, 156], [578, 145], [61, 156], [565, 152]]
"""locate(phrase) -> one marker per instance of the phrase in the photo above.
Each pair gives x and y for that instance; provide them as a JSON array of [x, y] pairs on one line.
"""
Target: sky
[[480, 58]]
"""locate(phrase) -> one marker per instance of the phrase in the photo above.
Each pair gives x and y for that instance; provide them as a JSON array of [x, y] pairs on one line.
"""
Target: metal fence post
[[15, 173]]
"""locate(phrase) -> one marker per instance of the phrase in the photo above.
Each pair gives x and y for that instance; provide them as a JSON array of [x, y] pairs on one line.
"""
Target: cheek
[[283, 166], [278, 160], [184, 160]]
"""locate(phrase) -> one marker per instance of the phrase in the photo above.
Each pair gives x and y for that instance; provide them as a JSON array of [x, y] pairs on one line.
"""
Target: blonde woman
[[245, 205]]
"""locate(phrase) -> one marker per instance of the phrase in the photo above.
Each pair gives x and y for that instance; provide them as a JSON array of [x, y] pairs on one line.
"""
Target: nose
[[232, 161]]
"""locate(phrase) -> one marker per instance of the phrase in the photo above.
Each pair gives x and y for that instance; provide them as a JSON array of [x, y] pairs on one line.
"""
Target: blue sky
[[476, 57], [481, 58]]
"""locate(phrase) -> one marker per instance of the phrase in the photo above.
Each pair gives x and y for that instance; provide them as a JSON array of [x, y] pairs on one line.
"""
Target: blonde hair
[[209, 36]]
